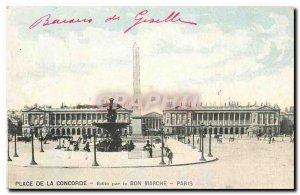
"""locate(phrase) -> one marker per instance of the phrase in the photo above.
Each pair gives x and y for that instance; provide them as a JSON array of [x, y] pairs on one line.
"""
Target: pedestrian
[[273, 139], [189, 141], [170, 156], [198, 140]]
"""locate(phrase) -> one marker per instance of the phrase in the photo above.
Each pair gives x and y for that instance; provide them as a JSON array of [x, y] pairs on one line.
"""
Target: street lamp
[[8, 157], [200, 137], [151, 145], [59, 136], [162, 162], [95, 150], [193, 139], [184, 133], [32, 146], [209, 149], [16, 155], [193, 131], [202, 148], [41, 134]]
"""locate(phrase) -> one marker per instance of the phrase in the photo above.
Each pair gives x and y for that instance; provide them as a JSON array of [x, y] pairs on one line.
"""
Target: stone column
[[207, 118], [152, 123], [223, 120], [233, 119]]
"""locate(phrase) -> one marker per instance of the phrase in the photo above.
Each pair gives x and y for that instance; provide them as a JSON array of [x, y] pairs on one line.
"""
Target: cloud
[[51, 69]]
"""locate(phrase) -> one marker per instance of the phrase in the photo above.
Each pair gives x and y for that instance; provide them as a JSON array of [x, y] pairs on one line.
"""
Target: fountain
[[112, 141]]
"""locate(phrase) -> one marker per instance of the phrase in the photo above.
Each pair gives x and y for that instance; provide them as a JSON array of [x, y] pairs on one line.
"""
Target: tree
[[14, 127], [286, 126]]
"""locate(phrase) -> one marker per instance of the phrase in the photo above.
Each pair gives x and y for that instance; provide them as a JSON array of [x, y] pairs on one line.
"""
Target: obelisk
[[136, 115]]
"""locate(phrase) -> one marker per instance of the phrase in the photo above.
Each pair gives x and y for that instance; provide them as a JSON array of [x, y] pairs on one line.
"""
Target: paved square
[[244, 163]]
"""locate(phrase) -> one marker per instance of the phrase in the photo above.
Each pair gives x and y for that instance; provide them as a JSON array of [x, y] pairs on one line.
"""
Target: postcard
[[150, 98]]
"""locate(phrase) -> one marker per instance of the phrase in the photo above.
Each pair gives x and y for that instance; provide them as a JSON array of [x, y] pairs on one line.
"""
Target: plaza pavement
[[183, 155], [245, 163]]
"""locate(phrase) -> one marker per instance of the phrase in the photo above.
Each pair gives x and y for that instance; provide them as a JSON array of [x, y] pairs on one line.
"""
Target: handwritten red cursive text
[[172, 17], [46, 21]]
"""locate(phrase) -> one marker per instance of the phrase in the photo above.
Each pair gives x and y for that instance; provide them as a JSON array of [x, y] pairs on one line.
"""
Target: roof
[[231, 108], [79, 108], [152, 115]]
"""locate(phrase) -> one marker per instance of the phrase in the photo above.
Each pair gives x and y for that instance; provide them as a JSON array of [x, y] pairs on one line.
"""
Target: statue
[[112, 133], [111, 113]]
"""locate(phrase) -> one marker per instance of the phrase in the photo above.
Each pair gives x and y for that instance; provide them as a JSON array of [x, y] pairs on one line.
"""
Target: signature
[[46, 21], [173, 17]]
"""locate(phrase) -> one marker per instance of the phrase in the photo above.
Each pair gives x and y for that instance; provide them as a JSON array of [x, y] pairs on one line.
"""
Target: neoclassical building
[[233, 119], [69, 120], [151, 122]]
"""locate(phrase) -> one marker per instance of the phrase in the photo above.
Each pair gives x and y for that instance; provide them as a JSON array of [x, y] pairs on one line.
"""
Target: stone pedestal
[[136, 123]]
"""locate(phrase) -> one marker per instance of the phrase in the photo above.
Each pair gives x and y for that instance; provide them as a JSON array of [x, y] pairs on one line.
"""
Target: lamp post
[[192, 130], [151, 146], [185, 132], [8, 157], [202, 148], [59, 136], [41, 133], [193, 139], [95, 150], [162, 162], [32, 146], [16, 155], [209, 149], [200, 137]]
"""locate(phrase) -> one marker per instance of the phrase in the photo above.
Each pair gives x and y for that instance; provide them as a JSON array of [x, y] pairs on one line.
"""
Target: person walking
[[170, 156]]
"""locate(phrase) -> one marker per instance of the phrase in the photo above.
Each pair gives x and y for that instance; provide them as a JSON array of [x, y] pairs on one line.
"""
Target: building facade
[[287, 120], [69, 120], [231, 119], [151, 122]]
